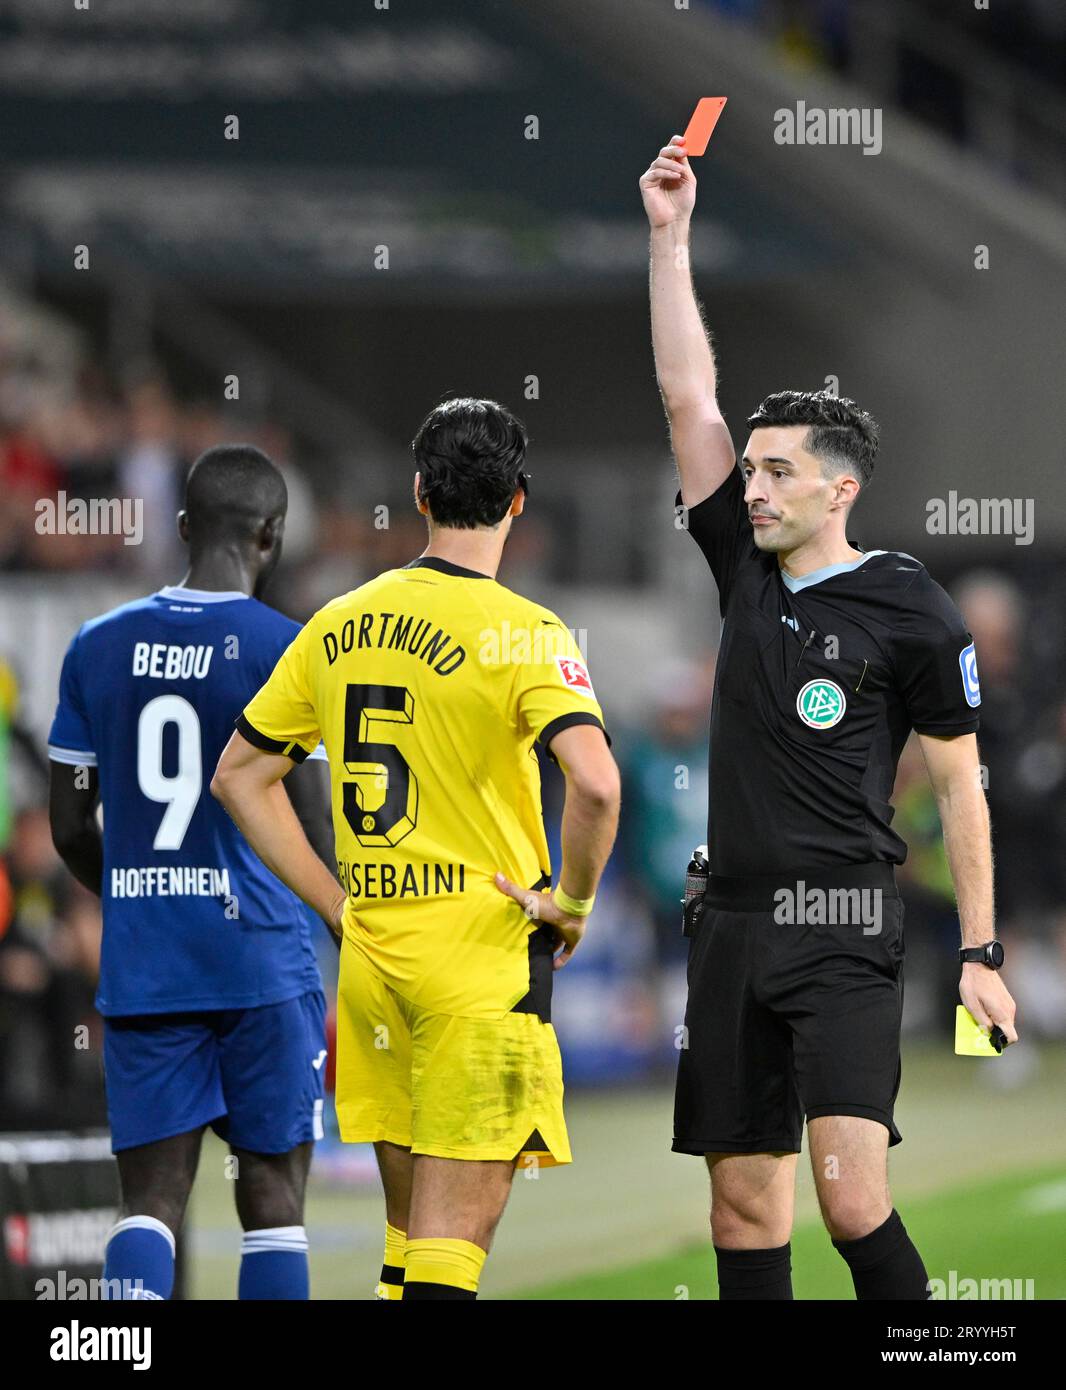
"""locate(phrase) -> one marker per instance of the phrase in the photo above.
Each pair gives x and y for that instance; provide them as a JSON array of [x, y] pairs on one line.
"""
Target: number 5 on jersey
[[381, 804]]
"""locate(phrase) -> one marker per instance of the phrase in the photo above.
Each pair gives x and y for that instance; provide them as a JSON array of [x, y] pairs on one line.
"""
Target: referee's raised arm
[[684, 358]]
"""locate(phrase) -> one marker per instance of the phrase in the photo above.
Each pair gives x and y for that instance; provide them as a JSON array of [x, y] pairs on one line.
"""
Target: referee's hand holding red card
[[668, 185]]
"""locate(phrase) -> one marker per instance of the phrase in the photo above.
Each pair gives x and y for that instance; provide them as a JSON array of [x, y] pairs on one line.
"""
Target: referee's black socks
[[755, 1274], [885, 1264]]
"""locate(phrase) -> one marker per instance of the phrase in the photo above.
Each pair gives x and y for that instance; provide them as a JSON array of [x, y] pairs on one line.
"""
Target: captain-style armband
[[573, 907]]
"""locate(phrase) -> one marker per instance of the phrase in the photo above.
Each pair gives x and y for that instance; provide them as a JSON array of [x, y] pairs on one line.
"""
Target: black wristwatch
[[990, 954]]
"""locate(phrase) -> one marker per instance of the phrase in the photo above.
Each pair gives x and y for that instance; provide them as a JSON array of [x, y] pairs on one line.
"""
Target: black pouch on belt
[[695, 891]]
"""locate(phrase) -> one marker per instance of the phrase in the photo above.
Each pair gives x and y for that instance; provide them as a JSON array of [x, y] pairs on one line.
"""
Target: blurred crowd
[[50, 1034], [93, 438], [86, 436]]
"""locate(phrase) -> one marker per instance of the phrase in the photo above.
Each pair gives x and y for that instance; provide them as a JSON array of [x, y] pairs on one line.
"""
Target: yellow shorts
[[441, 1085]]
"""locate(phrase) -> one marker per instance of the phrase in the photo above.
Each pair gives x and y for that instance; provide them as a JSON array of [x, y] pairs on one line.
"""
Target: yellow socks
[[392, 1266], [439, 1268]]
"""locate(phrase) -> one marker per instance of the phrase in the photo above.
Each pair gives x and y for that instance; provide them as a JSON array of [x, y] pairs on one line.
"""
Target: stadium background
[[439, 198]]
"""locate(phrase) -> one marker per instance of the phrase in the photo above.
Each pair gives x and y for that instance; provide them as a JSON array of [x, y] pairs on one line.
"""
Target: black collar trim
[[431, 562]]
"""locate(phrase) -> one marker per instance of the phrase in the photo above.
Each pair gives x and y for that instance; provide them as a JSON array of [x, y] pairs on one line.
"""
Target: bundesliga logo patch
[[821, 704], [971, 686], [576, 675]]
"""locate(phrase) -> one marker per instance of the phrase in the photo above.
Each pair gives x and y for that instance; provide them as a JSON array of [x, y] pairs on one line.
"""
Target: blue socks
[[140, 1262], [274, 1264], [140, 1258]]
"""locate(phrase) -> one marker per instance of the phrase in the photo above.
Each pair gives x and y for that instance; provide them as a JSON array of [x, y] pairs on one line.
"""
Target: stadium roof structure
[[481, 148]]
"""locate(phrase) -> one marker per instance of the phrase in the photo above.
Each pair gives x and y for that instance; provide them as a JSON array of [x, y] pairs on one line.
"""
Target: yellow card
[[971, 1040]]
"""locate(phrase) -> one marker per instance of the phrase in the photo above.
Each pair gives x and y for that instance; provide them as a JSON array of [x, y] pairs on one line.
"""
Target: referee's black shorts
[[789, 1018]]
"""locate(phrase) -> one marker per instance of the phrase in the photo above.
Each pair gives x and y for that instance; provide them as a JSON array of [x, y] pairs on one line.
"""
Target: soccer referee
[[830, 656]]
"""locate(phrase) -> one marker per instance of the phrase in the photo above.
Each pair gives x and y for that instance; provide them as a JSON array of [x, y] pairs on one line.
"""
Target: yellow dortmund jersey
[[429, 687]]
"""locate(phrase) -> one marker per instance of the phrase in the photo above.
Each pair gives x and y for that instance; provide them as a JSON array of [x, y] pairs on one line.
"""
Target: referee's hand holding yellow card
[[988, 1016]]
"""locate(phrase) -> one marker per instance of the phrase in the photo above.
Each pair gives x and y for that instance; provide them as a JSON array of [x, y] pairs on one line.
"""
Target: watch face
[[995, 953]]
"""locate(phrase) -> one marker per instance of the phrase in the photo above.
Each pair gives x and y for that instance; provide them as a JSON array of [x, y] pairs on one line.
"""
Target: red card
[[704, 120]]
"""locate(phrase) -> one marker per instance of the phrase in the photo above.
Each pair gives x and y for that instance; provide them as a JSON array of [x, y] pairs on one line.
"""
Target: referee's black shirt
[[819, 682]]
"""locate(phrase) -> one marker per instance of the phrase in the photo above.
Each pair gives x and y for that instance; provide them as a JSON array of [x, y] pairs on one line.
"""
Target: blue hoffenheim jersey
[[148, 695]]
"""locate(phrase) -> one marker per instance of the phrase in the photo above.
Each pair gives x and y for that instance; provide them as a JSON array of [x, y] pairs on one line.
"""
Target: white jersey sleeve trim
[[71, 756]]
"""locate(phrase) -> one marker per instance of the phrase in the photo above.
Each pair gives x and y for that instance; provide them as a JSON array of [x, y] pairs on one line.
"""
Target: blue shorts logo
[[971, 686]]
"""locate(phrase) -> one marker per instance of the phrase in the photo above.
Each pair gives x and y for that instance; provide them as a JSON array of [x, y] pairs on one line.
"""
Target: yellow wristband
[[573, 907]]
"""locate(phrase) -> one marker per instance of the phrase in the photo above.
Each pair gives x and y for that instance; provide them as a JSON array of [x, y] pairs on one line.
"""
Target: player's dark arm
[[955, 774], [248, 782], [684, 356], [73, 793], [309, 791]]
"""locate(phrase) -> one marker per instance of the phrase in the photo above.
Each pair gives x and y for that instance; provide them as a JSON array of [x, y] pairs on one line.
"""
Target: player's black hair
[[840, 434], [231, 490], [469, 454]]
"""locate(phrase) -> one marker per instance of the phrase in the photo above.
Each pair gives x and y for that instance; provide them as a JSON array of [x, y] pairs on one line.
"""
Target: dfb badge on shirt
[[821, 704]]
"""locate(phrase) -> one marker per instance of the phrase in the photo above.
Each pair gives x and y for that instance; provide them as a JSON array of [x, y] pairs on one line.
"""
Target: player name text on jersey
[[383, 880], [163, 662]]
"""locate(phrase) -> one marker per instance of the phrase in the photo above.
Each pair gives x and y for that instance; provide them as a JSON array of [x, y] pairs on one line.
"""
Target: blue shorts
[[254, 1075]]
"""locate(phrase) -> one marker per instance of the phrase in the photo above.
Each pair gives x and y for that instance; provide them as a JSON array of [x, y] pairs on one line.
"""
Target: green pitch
[[1011, 1229]]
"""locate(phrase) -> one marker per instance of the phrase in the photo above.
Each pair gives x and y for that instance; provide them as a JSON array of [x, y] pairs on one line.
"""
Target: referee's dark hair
[[469, 455], [230, 491], [840, 434]]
